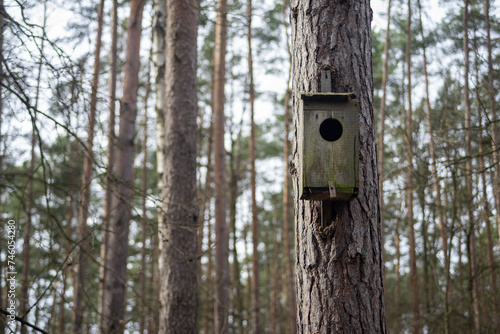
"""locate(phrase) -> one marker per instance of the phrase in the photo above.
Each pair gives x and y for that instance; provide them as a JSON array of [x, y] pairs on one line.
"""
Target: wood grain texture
[[323, 162], [339, 268]]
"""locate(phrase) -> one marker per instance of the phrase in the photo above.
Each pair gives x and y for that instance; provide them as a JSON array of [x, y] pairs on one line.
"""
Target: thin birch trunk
[[159, 56], [72, 152], [110, 155], [144, 218]]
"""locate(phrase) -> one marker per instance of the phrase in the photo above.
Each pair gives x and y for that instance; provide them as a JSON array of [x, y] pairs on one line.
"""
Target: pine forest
[[156, 161]]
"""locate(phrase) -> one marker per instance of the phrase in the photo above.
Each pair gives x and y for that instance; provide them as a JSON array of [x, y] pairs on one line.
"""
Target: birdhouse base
[[324, 193]]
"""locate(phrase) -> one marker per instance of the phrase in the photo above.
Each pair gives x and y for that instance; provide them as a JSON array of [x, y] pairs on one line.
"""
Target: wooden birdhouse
[[328, 146]]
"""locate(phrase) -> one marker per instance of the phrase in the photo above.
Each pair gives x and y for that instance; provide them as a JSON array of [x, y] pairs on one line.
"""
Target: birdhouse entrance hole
[[331, 129]]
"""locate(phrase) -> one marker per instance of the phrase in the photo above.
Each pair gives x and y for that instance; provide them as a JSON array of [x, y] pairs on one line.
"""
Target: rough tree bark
[[178, 232], [116, 256], [339, 272], [221, 228]]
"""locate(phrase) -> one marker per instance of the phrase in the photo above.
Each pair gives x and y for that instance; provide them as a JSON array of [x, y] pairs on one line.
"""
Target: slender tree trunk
[[287, 247], [397, 269], [116, 256], [153, 324], [493, 113], [414, 290], [209, 283], [2, 22], [234, 176], [72, 152], [485, 198], [339, 277], [159, 56], [255, 223], [206, 307], [110, 155], [381, 147], [274, 277], [88, 160], [144, 218], [437, 188], [221, 228], [25, 276], [178, 233], [468, 175], [23, 291]]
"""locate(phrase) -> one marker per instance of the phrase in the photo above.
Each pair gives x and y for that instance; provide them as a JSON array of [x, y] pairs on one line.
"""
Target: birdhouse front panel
[[328, 146]]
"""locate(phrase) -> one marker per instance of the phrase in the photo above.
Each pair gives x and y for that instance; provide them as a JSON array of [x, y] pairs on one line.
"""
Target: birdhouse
[[328, 146]]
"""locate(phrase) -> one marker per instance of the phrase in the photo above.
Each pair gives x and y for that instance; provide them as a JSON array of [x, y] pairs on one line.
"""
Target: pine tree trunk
[[83, 232], [116, 256], [468, 176], [485, 213], [414, 290], [110, 154], [178, 233], [493, 113], [153, 324], [381, 145], [221, 229], [339, 277], [437, 188], [234, 177], [255, 223], [206, 306], [397, 269]]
